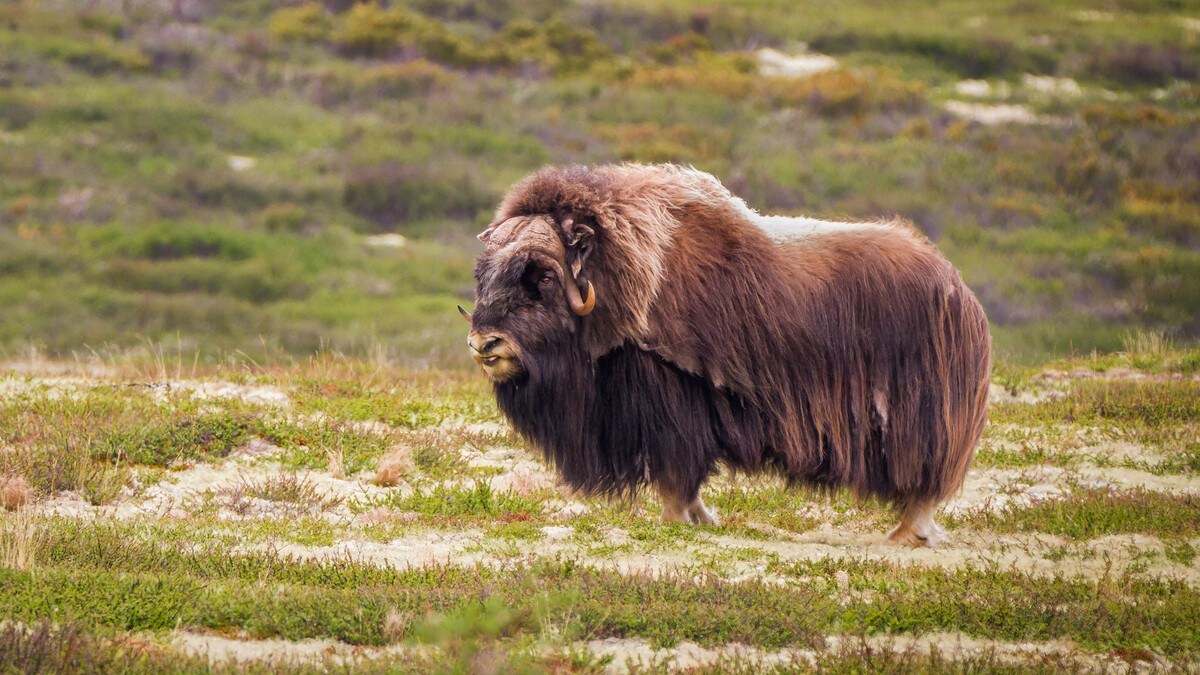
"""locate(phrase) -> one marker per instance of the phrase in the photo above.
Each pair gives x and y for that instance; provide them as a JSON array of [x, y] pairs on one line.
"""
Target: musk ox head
[[530, 292]]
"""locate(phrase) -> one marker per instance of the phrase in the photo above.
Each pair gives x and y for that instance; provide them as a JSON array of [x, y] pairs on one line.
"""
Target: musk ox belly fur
[[642, 325]]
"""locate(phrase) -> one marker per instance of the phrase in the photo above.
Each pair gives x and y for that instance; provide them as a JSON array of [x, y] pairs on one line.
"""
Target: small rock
[[556, 532], [387, 240], [241, 163]]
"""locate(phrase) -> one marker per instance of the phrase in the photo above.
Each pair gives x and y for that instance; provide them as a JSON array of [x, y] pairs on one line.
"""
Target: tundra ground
[[344, 514]]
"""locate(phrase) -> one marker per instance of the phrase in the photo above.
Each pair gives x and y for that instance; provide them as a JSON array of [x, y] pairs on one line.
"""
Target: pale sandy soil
[[629, 655], [995, 114], [774, 63], [219, 650]]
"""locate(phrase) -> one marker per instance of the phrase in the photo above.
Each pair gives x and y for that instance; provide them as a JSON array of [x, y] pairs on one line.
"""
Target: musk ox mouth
[[496, 353]]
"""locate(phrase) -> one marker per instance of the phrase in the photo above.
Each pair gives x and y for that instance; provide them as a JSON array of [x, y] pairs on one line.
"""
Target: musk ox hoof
[[693, 513], [917, 527], [902, 536], [703, 516]]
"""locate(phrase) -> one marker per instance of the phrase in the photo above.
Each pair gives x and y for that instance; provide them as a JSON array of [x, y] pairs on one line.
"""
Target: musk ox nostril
[[482, 344]]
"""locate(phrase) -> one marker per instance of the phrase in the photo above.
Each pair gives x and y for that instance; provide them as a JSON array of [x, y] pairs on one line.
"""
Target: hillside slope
[[204, 177]]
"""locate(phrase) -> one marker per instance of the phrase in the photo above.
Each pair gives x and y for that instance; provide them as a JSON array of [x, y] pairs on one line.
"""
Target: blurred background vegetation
[[213, 177]]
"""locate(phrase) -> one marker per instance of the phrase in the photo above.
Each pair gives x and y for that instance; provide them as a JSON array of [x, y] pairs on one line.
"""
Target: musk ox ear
[[579, 238], [575, 229]]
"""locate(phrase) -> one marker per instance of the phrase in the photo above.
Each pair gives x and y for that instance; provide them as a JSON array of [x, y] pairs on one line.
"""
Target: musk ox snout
[[495, 353]]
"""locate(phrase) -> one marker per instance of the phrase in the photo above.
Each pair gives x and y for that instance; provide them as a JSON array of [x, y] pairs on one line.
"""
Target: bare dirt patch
[[221, 650]]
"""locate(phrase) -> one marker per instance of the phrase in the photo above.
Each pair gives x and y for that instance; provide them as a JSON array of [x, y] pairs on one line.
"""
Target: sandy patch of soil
[[959, 646], [774, 63], [424, 549], [630, 655], [223, 650], [999, 394], [994, 114], [1115, 373], [55, 386], [260, 394], [1060, 87], [181, 491], [981, 89], [52, 388]]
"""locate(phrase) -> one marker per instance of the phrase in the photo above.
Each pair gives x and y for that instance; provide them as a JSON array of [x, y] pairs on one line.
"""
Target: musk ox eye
[[545, 280]]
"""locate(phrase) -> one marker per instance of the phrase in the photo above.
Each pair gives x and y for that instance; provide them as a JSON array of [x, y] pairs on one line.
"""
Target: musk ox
[[641, 325]]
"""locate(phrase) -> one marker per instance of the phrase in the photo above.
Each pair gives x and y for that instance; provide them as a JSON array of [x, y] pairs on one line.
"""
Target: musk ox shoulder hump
[[791, 229]]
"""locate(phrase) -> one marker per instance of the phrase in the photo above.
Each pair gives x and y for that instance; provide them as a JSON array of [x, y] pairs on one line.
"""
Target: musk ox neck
[[612, 424]]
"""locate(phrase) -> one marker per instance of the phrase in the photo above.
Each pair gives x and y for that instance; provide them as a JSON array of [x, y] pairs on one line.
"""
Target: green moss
[[187, 437], [1087, 514], [444, 503], [352, 598]]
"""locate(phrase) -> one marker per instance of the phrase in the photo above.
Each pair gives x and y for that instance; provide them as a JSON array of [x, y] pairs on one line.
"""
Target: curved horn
[[581, 306], [465, 313], [589, 303]]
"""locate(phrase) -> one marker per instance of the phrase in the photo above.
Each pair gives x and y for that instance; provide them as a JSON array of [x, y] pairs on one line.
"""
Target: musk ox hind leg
[[916, 526], [678, 509]]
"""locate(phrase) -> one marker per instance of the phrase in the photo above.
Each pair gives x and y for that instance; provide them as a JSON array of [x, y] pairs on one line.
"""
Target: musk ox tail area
[[929, 421]]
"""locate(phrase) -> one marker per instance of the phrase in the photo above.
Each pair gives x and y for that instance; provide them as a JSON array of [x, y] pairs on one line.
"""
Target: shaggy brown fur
[[844, 355]]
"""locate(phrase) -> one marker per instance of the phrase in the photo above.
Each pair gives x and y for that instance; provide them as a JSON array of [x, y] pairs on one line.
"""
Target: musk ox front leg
[[916, 527], [679, 509]]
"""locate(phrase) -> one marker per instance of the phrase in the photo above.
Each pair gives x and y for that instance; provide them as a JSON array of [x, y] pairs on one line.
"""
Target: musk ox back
[[643, 326]]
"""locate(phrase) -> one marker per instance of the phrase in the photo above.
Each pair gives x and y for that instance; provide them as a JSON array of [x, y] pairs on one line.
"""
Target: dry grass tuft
[[395, 625], [524, 482], [286, 492], [336, 463], [1147, 343], [15, 492], [19, 539], [398, 462]]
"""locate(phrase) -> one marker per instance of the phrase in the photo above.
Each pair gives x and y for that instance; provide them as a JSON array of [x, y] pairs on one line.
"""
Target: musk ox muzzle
[[642, 326]]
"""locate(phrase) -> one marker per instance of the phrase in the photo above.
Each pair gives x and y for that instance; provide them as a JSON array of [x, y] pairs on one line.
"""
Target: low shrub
[[1173, 221], [369, 30], [401, 80], [1140, 64], [843, 91], [649, 142], [218, 188], [284, 217], [1102, 114], [304, 23], [95, 56], [727, 77], [173, 241], [390, 194], [554, 44], [257, 281], [966, 55]]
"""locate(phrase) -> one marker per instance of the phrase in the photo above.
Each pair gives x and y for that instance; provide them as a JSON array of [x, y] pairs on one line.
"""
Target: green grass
[[309, 445], [1128, 403], [159, 588], [445, 504], [448, 558], [1091, 513]]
